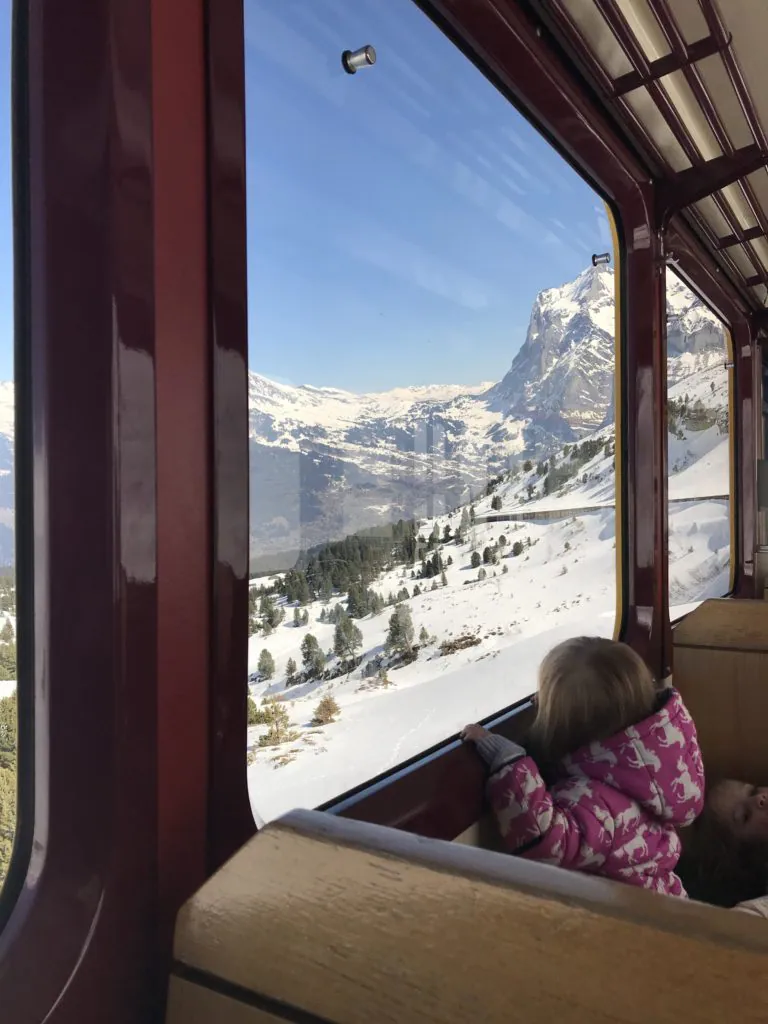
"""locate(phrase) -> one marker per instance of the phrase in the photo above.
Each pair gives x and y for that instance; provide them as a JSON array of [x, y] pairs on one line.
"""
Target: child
[[725, 853], [626, 766]]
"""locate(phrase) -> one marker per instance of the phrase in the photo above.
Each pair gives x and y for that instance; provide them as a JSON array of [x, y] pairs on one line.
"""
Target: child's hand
[[472, 733]]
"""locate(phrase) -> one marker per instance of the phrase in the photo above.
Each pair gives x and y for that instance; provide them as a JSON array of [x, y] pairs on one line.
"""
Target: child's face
[[742, 807]]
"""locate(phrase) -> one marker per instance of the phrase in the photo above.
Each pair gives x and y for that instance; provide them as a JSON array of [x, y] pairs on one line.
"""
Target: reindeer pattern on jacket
[[616, 805]]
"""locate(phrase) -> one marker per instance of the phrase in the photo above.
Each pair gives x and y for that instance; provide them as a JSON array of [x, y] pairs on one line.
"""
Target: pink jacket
[[615, 809]]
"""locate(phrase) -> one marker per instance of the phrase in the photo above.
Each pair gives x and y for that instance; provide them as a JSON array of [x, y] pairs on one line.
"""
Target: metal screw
[[353, 60]]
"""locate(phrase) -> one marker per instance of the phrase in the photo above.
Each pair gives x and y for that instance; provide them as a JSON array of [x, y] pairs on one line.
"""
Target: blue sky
[[402, 220], [6, 224]]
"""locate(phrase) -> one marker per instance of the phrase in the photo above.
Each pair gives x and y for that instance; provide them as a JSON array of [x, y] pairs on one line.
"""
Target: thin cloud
[[409, 262]]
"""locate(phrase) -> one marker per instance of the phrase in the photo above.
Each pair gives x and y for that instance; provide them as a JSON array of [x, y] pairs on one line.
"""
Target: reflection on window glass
[[699, 453], [7, 578], [431, 398]]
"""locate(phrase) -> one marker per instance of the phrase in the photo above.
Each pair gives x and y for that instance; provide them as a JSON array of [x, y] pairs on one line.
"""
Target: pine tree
[[7, 635], [255, 714], [476, 559], [266, 665], [312, 657], [400, 636], [502, 541], [527, 466], [305, 618], [464, 525], [472, 514], [423, 636], [326, 711], [304, 595], [8, 709], [496, 502], [443, 579], [276, 716], [446, 533], [481, 573], [290, 671], [347, 638], [296, 617]]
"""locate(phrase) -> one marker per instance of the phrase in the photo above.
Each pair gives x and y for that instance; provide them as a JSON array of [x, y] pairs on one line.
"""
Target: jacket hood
[[656, 762]]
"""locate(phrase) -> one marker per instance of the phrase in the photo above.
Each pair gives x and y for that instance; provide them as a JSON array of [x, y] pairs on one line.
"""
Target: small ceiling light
[[353, 60]]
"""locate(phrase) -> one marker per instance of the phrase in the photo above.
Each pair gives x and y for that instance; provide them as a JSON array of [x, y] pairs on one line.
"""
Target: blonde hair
[[589, 689]]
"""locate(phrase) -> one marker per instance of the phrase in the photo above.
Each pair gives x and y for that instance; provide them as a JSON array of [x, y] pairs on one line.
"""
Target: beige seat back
[[320, 918], [721, 670]]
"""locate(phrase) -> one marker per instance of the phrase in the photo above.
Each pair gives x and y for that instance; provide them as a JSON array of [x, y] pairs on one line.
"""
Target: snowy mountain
[[325, 462]]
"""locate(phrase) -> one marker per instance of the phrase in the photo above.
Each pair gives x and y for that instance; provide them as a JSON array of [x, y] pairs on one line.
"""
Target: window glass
[[8, 780], [762, 502], [432, 407], [699, 450]]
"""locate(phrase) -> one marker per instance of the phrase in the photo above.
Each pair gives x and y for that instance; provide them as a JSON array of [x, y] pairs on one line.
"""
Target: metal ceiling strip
[[642, 136], [740, 238], [676, 41], [717, 29], [626, 39], [687, 187], [657, 69]]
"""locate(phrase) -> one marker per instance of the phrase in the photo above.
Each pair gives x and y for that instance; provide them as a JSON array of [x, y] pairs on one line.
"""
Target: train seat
[[320, 918], [721, 669]]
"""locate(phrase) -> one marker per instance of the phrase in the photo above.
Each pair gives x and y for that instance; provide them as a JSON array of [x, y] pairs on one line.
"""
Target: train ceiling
[[688, 81]]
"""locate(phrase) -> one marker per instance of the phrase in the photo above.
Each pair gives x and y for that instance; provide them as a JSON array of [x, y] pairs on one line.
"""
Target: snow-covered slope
[[549, 591]]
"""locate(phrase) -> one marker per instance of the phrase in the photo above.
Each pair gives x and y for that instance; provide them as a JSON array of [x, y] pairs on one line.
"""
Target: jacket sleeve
[[534, 823]]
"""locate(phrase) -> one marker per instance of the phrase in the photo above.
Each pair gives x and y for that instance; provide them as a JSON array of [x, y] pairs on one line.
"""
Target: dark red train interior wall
[[79, 945], [120, 403], [183, 374], [230, 821]]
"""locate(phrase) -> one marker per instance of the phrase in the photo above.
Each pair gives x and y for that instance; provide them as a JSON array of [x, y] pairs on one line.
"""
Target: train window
[[699, 450], [432, 409], [762, 492], [8, 743]]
